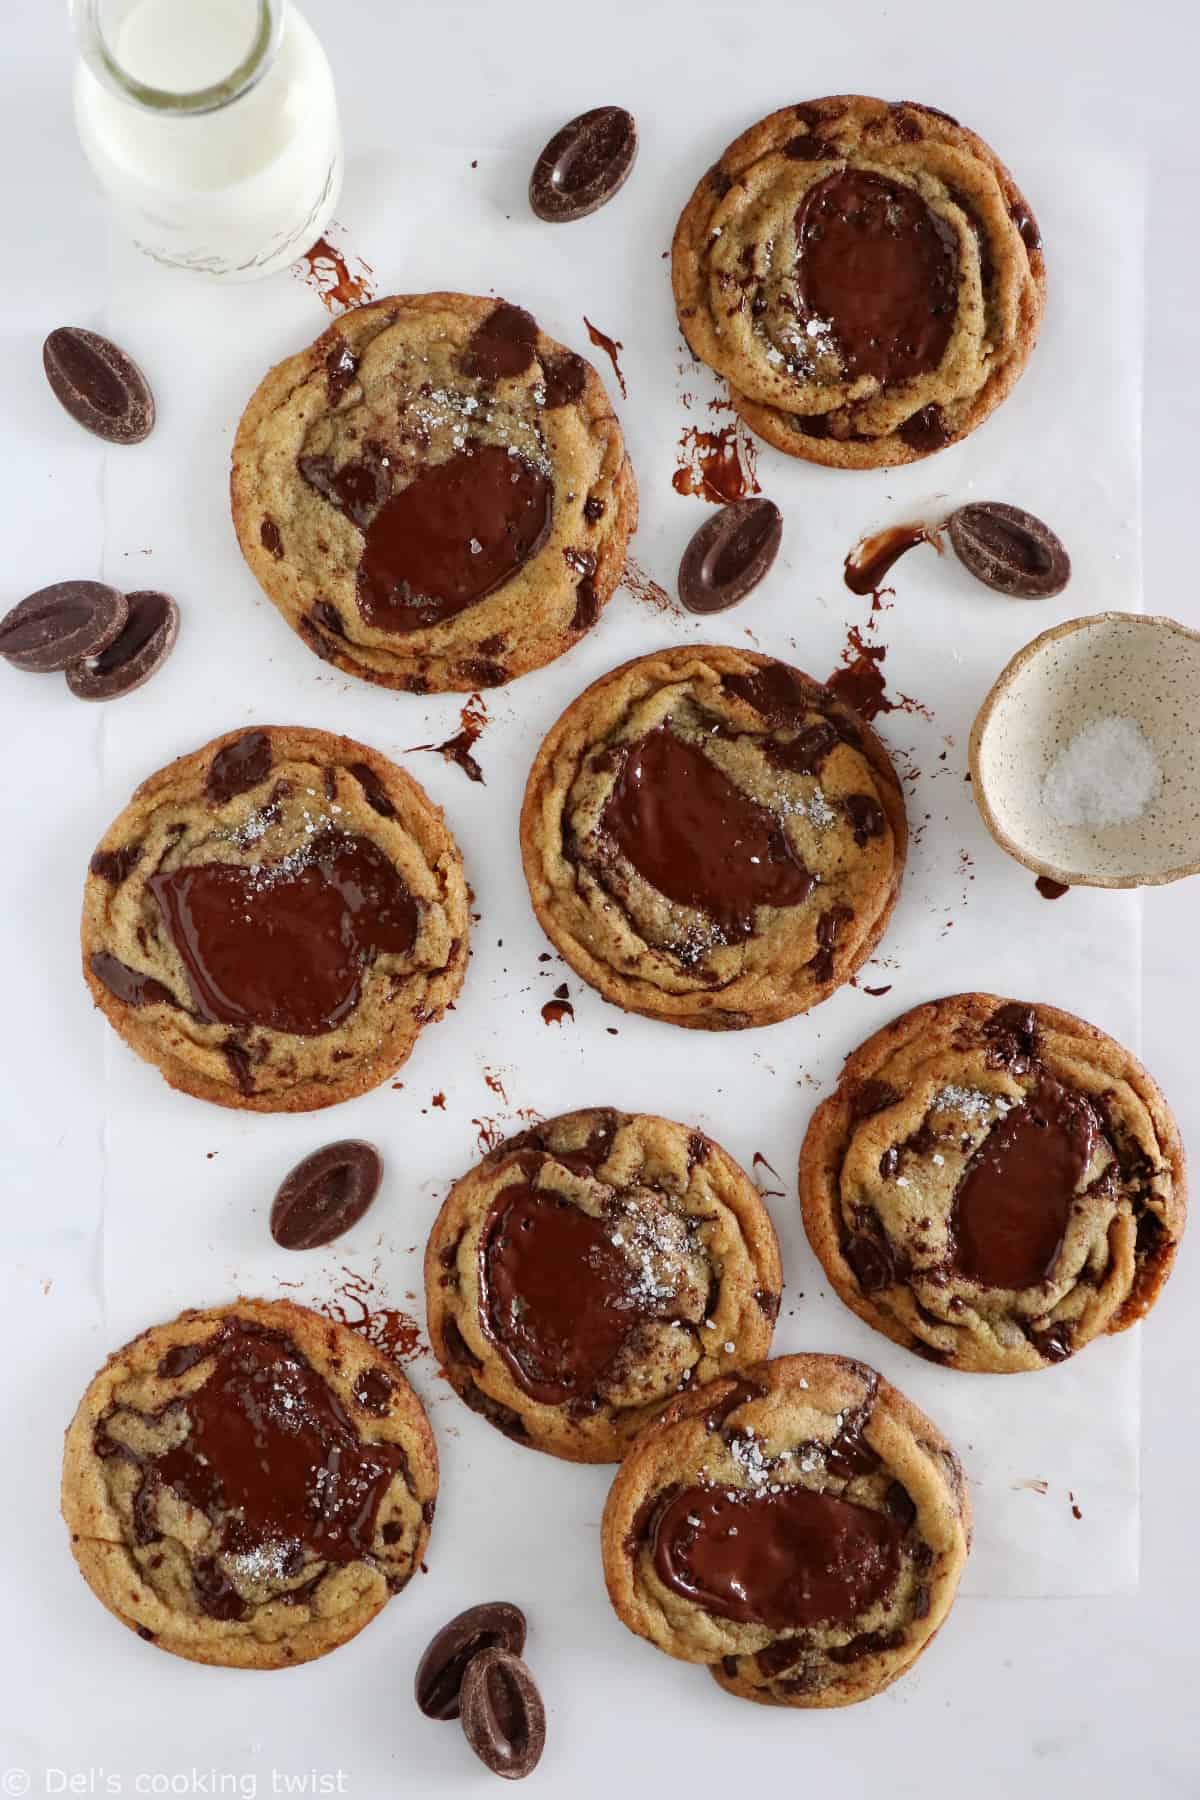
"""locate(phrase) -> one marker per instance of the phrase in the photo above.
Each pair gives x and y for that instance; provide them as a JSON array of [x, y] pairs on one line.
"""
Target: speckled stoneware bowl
[[1131, 665]]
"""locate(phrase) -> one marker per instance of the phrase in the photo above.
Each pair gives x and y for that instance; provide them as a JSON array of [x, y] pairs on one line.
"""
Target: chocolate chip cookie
[[272, 919], [588, 1270], [994, 1184], [800, 1527], [866, 275], [198, 1484], [435, 495], [711, 838]]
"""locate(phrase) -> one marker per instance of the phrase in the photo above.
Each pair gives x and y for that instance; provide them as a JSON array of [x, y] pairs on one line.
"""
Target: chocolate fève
[[284, 945], [1013, 1200], [785, 1557], [880, 269], [269, 1455], [697, 838], [558, 1297]]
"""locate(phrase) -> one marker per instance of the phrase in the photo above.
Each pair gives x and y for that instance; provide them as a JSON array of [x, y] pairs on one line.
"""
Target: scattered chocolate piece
[[325, 1195], [729, 555], [129, 985], [116, 866], [1050, 889], [144, 644], [503, 1718], [494, 1625], [53, 628], [1009, 550], [238, 767], [583, 165], [926, 430], [504, 345], [101, 388]]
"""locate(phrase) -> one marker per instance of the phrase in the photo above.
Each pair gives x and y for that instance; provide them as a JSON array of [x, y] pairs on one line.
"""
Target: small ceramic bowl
[[1131, 665]]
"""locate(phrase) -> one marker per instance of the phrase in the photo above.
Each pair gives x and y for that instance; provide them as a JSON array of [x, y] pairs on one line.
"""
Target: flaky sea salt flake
[[1107, 775]]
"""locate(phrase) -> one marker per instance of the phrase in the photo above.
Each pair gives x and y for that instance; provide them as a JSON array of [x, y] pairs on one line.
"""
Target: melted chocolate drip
[[870, 560]]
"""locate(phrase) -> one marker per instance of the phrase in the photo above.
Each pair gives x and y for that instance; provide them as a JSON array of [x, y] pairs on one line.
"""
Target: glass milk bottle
[[212, 126]]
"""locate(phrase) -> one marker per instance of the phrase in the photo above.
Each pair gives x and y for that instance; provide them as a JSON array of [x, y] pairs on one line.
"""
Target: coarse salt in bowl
[[1085, 756]]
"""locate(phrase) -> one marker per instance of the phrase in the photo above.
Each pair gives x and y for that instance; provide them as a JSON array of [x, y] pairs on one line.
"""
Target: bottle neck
[[179, 56]]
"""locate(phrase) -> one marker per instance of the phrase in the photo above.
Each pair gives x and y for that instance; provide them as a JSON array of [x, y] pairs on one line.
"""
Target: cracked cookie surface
[[711, 838], [248, 1485], [866, 276], [799, 1527], [994, 1184], [589, 1269], [435, 494], [272, 919]]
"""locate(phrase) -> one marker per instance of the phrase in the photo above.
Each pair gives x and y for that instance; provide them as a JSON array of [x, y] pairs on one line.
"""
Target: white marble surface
[[112, 1196]]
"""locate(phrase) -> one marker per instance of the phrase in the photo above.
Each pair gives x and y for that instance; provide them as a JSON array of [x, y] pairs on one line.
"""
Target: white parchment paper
[[174, 1213]]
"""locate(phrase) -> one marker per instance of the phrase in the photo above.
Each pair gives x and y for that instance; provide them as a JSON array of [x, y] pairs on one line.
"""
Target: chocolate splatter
[[610, 347], [717, 465], [458, 749], [358, 1301], [555, 1011], [327, 272], [860, 682]]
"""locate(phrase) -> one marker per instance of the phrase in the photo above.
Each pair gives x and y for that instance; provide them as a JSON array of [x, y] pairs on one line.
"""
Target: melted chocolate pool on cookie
[[697, 838], [558, 1295], [284, 945], [457, 532], [879, 270], [784, 1558], [1013, 1202], [269, 1455]]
